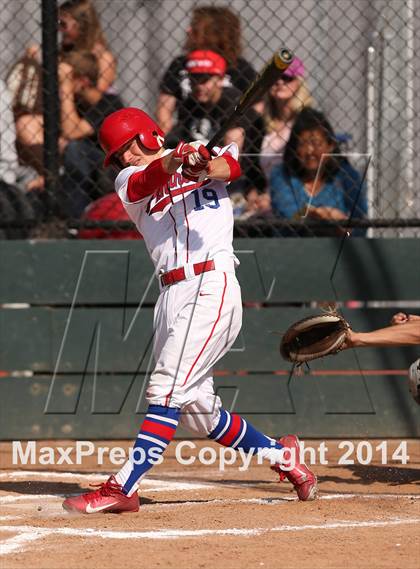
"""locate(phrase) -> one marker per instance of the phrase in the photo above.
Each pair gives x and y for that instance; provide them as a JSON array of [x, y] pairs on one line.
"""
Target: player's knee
[[202, 417], [158, 395]]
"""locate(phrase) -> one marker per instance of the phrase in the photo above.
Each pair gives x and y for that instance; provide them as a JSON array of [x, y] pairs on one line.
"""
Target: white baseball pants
[[196, 322]]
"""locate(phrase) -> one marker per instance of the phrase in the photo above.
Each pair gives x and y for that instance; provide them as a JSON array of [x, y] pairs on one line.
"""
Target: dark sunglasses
[[200, 77], [287, 78]]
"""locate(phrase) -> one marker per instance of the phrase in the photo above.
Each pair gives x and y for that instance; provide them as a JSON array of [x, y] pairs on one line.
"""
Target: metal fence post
[[51, 104]]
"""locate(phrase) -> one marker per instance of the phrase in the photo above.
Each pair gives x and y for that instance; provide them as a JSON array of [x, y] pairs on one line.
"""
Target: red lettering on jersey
[[162, 197], [179, 180]]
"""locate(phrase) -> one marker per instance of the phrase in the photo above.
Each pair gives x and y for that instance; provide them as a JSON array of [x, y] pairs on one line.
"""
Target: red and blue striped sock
[[233, 431], [156, 432]]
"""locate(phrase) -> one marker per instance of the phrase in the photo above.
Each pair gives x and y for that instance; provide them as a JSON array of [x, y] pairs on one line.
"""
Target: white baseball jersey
[[188, 223]]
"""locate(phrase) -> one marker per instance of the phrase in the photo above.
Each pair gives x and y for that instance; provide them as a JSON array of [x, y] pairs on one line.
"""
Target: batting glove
[[195, 165], [182, 150]]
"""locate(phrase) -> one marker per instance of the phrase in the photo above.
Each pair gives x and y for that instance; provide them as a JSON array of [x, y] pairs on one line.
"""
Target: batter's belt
[[178, 275]]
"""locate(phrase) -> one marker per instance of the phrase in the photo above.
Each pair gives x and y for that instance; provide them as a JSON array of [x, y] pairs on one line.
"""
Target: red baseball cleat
[[303, 480], [108, 498]]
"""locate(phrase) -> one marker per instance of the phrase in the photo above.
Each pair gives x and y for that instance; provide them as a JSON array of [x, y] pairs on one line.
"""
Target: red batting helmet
[[122, 126]]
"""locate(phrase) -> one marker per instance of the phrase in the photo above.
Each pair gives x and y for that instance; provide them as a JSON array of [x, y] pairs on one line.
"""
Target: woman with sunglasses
[[285, 99], [81, 30]]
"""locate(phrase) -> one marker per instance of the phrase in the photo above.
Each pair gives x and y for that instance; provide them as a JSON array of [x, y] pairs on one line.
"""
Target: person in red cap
[[216, 28], [179, 201], [209, 104]]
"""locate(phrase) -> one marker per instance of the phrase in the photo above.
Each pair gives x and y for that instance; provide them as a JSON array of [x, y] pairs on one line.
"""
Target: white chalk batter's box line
[[32, 533]]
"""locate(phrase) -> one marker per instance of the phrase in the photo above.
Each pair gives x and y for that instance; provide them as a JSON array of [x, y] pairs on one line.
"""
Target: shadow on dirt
[[369, 474]]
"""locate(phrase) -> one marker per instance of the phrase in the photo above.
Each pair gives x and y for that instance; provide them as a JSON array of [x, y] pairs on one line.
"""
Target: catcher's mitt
[[314, 337]]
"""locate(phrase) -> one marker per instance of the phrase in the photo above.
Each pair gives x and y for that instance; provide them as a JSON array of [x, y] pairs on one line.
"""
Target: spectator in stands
[[214, 28], [258, 204], [210, 102], [254, 214], [285, 99], [81, 30], [25, 85], [83, 109], [313, 182], [15, 208]]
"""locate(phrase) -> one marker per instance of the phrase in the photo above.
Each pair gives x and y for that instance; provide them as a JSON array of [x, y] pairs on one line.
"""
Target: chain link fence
[[332, 148]]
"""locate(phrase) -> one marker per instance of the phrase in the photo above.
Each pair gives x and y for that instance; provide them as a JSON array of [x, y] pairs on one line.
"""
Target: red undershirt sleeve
[[145, 183], [234, 167]]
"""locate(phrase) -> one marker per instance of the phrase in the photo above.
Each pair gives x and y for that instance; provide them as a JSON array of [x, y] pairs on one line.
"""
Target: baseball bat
[[271, 72]]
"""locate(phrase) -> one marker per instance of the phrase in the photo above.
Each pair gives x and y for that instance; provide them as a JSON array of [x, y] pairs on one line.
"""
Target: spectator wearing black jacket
[[214, 28], [202, 113]]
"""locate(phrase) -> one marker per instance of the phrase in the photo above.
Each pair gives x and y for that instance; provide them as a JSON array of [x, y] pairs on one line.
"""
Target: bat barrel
[[271, 72], [283, 58]]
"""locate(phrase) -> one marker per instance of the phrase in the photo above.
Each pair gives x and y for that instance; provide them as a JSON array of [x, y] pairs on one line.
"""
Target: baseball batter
[[179, 201]]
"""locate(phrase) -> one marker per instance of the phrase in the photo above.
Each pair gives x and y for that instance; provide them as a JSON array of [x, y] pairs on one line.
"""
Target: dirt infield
[[198, 516]]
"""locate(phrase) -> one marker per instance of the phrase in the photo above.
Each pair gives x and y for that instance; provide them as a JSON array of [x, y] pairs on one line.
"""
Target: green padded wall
[[76, 332]]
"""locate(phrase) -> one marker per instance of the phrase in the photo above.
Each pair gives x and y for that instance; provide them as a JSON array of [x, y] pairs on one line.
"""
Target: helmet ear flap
[[159, 138], [152, 137], [147, 141]]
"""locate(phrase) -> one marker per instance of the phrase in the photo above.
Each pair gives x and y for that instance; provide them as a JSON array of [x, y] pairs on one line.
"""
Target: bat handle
[[212, 142], [220, 133]]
